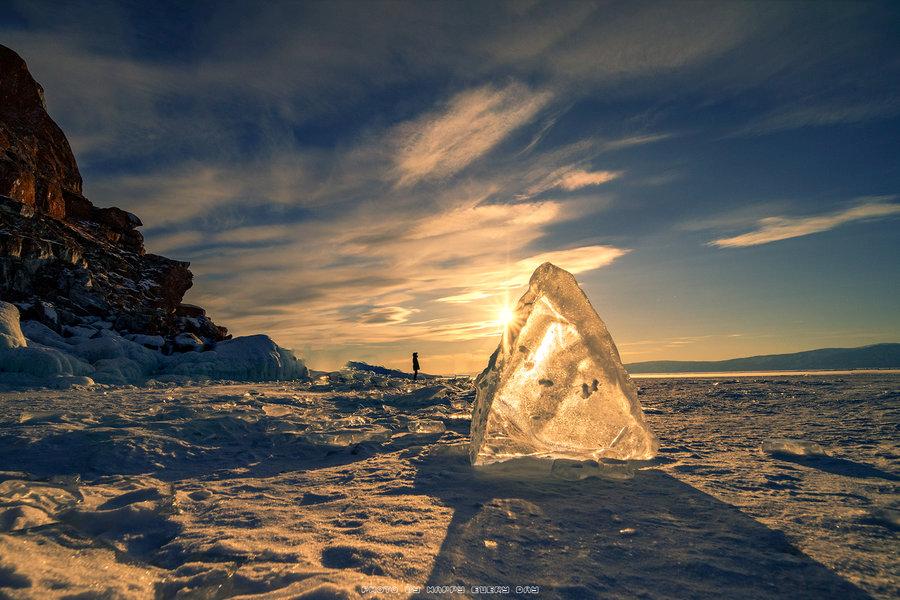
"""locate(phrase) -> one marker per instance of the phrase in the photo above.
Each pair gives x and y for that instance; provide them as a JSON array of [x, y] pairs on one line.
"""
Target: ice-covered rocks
[[248, 358], [32, 354], [21, 362], [188, 342], [11, 335], [555, 387]]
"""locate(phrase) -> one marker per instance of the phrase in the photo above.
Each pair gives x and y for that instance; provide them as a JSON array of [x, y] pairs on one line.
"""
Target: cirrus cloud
[[773, 229], [444, 142]]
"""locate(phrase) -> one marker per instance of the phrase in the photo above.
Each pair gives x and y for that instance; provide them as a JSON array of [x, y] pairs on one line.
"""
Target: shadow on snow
[[652, 536], [838, 466]]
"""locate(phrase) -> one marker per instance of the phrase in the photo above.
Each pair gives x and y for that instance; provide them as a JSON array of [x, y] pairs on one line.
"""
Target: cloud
[[195, 188], [577, 179], [634, 140], [816, 114], [167, 242], [162, 241], [359, 278], [773, 229], [466, 297], [499, 281], [444, 142], [575, 260], [568, 177], [381, 315], [588, 43]]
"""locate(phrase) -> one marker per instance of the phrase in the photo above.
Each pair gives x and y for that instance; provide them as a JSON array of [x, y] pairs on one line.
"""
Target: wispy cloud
[[466, 297], [470, 125], [817, 114], [634, 140], [371, 272], [569, 177], [773, 229], [380, 315], [578, 179], [575, 260], [589, 43]]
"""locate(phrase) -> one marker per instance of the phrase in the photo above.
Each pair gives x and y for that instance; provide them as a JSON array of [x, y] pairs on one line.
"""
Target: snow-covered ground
[[360, 486]]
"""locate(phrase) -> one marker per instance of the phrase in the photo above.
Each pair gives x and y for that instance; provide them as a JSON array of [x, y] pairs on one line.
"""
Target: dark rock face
[[62, 259], [37, 166]]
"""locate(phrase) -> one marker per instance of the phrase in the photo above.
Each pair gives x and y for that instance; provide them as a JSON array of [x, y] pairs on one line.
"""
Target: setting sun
[[505, 317]]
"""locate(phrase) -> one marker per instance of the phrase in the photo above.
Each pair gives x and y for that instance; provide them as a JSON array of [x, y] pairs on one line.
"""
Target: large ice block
[[556, 386]]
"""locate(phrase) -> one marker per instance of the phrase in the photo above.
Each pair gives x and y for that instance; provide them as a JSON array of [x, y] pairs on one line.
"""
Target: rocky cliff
[[65, 262]]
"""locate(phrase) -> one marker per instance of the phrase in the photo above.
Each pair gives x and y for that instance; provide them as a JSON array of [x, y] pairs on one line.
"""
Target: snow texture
[[321, 489], [32, 354], [555, 387]]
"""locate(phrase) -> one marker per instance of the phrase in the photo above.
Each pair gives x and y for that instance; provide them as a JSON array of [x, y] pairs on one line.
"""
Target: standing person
[[415, 365]]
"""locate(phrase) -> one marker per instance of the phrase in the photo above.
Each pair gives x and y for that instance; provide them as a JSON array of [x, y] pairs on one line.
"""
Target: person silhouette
[[415, 365]]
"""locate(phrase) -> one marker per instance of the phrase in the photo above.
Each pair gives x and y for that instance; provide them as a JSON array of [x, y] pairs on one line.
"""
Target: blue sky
[[361, 180]]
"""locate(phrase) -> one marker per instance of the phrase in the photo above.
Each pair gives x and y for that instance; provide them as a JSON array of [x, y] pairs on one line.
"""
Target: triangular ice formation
[[555, 386]]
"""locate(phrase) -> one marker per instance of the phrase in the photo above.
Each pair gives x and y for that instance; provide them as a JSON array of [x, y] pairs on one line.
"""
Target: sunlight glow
[[505, 317]]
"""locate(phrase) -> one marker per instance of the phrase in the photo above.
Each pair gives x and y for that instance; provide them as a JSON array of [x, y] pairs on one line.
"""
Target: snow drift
[[32, 354], [555, 386]]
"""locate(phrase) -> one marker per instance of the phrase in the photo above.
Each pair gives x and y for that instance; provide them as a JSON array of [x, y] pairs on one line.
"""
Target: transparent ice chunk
[[555, 386]]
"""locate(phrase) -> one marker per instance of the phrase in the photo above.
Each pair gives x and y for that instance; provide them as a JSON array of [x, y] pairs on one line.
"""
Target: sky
[[364, 180]]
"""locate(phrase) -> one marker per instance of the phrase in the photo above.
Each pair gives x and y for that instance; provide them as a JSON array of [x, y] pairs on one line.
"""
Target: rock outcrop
[[37, 166], [65, 262]]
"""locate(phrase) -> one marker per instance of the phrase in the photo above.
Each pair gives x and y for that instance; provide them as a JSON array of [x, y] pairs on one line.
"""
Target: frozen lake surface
[[359, 486]]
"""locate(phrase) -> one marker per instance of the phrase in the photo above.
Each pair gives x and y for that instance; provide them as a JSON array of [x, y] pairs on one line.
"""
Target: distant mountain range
[[878, 356]]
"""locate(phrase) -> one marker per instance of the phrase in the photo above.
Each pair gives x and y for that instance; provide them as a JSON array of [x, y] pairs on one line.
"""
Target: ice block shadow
[[651, 537], [838, 466]]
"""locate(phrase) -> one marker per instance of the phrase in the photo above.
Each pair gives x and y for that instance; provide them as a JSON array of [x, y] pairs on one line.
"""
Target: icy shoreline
[[34, 355]]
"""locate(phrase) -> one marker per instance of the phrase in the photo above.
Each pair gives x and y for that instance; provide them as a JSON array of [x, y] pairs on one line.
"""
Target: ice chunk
[[40, 361], [79, 331], [792, 447], [35, 331], [117, 360], [348, 437], [29, 365], [276, 410], [188, 342], [10, 330], [425, 426], [148, 341], [555, 386]]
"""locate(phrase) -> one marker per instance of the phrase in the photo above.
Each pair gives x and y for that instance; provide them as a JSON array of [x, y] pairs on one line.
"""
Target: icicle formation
[[555, 386]]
